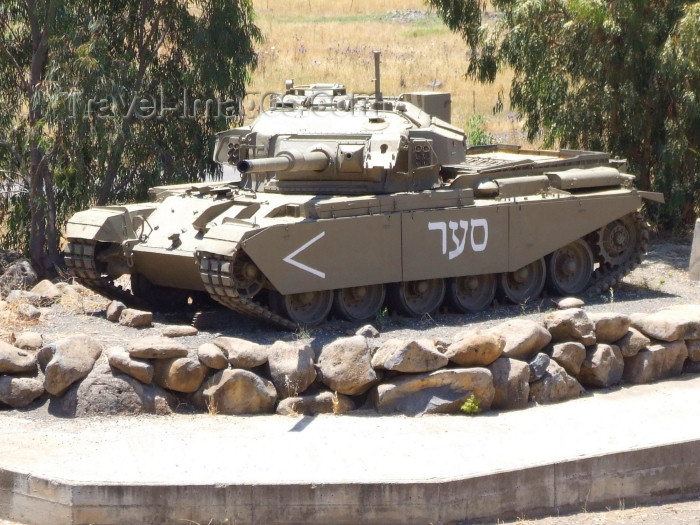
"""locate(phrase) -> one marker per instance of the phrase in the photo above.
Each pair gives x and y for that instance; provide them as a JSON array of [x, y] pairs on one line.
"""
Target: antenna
[[377, 75]]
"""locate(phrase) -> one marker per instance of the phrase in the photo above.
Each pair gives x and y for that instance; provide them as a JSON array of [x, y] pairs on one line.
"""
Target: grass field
[[333, 40]]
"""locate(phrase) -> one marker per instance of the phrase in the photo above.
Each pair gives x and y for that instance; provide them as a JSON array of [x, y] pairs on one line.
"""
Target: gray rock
[[212, 356], [538, 367], [181, 374], [569, 302], [18, 297], [410, 356], [242, 353], [511, 381], [72, 360], [14, 360], [291, 368], [18, 275], [439, 392], [156, 347], [570, 356], [632, 342], [47, 291], [476, 348], [28, 312], [566, 325], [135, 318], [68, 292], [669, 325], [524, 338], [346, 366], [602, 367], [237, 391], [311, 404], [120, 359], [693, 346], [610, 327], [556, 385], [114, 311], [18, 392], [659, 361], [29, 341], [367, 331], [180, 331]]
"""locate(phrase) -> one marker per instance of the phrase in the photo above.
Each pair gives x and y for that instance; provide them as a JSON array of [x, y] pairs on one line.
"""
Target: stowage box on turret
[[348, 203]]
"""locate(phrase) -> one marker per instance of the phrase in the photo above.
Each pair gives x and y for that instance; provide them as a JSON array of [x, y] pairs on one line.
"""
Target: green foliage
[[622, 77], [476, 132], [471, 406]]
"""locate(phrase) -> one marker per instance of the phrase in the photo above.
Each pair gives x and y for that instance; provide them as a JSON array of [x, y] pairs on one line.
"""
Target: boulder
[[538, 366], [569, 302], [632, 342], [609, 327], [291, 368], [114, 311], [156, 347], [524, 338], [237, 391], [693, 346], [242, 353], [29, 341], [47, 291], [181, 374], [18, 297], [135, 318], [68, 292], [659, 361], [367, 331], [180, 331], [346, 366], [556, 385], [17, 275], [14, 360], [19, 392], [569, 324], [602, 367], [511, 382], [311, 404], [440, 392], [212, 356], [476, 348], [120, 359], [669, 325], [569, 356], [410, 356], [72, 359], [28, 312]]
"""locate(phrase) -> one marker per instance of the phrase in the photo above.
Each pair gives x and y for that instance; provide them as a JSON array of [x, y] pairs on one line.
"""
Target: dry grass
[[320, 41]]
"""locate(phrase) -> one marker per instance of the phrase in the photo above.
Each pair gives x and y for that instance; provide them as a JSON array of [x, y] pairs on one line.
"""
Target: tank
[[348, 203]]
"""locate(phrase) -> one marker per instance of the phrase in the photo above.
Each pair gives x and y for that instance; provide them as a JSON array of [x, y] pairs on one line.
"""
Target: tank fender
[[652, 196], [224, 239], [113, 224]]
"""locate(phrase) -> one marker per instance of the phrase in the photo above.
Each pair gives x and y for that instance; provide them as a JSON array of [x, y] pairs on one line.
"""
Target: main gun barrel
[[286, 161]]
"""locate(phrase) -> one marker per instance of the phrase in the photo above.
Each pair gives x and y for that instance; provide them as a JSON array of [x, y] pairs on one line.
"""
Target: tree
[[617, 76], [98, 101]]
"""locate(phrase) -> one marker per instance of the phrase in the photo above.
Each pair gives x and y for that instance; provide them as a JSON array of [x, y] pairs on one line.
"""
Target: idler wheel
[[307, 308], [471, 293], [417, 298], [523, 284], [569, 269], [359, 303], [248, 278], [617, 241]]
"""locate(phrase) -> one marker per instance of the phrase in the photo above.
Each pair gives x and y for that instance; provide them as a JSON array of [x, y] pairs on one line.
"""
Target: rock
[[609, 327], [691, 367], [659, 361], [114, 311], [212, 356], [18, 275], [72, 360], [367, 331], [14, 360], [570, 356], [346, 367], [441, 344], [181, 374], [410, 356], [135, 318], [538, 367], [476, 348], [156, 347], [524, 338], [236, 391], [68, 292], [29, 341], [602, 367], [19, 392], [120, 359], [311, 404], [28, 312], [570, 302], [693, 346], [180, 331], [242, 353], [511, 381], [573, 323], [18, 297], [291, 368], [556, 385], [47, 291], [632, 342], [669, 325], [439, 392], [106, 393]]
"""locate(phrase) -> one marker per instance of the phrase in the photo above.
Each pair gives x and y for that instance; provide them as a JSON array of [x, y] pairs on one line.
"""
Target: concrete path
[[636, 443]]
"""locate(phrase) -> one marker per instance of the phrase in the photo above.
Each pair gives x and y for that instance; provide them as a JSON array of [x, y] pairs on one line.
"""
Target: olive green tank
[[348, 203]]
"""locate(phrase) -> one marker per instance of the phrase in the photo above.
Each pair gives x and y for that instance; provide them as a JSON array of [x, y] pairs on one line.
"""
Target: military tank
[[346, 203]]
